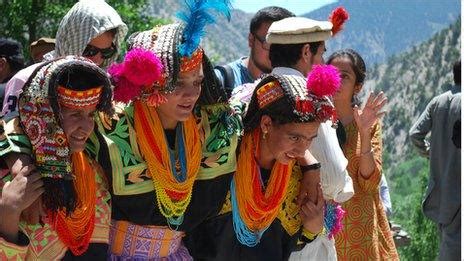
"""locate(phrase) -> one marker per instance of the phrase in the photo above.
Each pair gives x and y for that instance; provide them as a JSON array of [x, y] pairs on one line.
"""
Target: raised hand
[[372, 111]]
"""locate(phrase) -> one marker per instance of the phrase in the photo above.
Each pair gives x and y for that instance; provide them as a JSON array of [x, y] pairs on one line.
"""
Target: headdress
[[289, 98], [40, 118], [176, 47]]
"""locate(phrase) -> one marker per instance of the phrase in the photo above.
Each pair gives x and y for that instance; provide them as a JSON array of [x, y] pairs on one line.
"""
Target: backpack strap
[[228, 76]]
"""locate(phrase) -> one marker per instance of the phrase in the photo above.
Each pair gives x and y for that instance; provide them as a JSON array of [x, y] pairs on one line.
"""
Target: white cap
[[295, 30]]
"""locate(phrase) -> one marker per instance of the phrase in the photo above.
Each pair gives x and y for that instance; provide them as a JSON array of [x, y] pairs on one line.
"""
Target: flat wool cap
[[296, 30]]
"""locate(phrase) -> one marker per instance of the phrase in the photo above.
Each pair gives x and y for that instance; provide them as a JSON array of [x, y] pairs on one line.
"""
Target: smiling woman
[[56, 112]]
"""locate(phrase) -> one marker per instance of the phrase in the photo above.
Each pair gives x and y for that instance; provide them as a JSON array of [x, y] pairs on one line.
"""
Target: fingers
[[370, 98], [320, 199]]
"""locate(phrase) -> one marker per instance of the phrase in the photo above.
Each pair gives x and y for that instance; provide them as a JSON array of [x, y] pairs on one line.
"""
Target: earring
[[264, 135]]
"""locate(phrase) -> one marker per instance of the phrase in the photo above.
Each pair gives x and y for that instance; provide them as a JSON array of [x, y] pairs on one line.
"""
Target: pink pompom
[[142, 67], [125, 91], [323, 80]]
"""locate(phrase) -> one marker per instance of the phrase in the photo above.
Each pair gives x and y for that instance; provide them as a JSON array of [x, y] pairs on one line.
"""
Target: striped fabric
[[133, 242], [84, 21]]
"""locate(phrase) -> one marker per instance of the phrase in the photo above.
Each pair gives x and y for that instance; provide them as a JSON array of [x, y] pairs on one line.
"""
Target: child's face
[[77, 125]]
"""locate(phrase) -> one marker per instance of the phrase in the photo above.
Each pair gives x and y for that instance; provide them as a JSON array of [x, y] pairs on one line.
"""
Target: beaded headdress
[[291, 98], [39, 113], [176, 47]]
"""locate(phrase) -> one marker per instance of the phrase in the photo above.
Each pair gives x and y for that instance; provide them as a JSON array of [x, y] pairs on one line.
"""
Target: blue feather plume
[[196, 17]]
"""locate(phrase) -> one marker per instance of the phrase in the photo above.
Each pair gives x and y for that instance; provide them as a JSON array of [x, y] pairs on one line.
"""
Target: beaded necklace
[[254, 207], [75, 230], [173, 191]]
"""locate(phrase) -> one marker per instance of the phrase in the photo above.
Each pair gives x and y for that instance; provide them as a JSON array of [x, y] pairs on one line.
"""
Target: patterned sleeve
[[12, 138], [373, 182], [10, 251]]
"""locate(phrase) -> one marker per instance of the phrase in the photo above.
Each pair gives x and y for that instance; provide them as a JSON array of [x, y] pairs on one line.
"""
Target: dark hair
[[268, 15], [457, 72], [287, 55], [80, 76], [357, 64], [212, 91]]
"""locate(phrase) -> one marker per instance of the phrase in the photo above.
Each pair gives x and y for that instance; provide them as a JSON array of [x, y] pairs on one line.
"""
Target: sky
[[298, 7]]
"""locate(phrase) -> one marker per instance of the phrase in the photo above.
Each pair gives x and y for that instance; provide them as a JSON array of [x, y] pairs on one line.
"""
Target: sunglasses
[[265, 45], [106, 53]]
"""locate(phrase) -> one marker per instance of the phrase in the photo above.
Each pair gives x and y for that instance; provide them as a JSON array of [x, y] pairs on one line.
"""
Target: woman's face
[[103, 41], [180, 103], [348, 85], [288, 141], [77, 125]]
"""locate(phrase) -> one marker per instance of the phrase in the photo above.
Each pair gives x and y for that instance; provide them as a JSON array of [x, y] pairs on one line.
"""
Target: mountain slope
[[379, 29], [410, 80], [225, 41]]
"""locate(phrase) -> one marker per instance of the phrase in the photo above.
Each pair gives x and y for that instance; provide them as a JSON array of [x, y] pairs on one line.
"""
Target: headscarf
[[86, 20]]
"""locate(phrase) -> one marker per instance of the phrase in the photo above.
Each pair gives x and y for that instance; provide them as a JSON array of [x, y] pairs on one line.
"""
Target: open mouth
[[79, 139], [290, 155], [185, 107]]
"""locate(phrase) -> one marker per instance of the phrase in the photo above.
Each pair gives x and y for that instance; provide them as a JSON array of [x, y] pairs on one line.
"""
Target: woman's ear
[[357, 88], [265, 124]]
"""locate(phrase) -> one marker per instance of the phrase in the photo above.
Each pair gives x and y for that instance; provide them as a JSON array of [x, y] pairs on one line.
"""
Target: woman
[[56, 111], [171, 149], [90, 28], [366, 234], [261, 219]]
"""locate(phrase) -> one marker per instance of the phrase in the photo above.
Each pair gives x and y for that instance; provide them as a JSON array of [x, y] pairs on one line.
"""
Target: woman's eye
[[294, 138]]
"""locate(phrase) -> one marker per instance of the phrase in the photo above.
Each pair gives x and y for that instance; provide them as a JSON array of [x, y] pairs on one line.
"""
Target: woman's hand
[[312, 215], [310, 180], [17, 195], [22, 190], [372, 111]]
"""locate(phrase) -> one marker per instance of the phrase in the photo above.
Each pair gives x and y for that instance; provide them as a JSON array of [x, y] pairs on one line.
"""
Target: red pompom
[[338, 17], [142, 67], [323, 80]]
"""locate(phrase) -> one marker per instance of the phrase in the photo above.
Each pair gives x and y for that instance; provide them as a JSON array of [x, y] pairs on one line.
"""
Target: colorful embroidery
[[78, 99], [269, 93]]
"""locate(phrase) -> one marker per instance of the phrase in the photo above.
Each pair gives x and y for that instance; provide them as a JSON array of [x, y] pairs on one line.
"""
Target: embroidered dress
[[216, 239], [42, 242], [366, 234], [133, 194]]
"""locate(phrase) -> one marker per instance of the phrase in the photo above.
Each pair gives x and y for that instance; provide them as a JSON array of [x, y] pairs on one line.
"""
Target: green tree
[[28, 20]]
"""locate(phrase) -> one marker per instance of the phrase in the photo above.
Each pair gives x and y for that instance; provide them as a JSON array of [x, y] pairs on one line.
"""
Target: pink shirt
[[13, 89]]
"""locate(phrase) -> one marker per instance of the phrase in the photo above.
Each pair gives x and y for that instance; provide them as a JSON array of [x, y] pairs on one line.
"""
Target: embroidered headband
[[78, 99], [289, 98]]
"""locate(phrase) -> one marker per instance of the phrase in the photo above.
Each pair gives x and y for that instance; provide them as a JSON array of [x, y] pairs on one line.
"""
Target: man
[[11, 61], [40, 47], [442, 202], [248, 69]]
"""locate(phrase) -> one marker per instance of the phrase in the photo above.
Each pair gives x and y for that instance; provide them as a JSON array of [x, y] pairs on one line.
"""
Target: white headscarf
[[86, 20]]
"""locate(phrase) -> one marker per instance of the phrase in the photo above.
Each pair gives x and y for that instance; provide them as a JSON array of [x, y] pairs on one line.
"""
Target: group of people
[[165, 157]]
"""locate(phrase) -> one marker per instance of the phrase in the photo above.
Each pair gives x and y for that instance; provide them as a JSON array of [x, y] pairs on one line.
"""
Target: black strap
[[228, 76]]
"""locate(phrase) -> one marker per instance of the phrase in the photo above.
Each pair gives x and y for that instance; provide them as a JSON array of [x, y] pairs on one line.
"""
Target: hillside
[[225, 41], [410, 80], [379, 29]]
